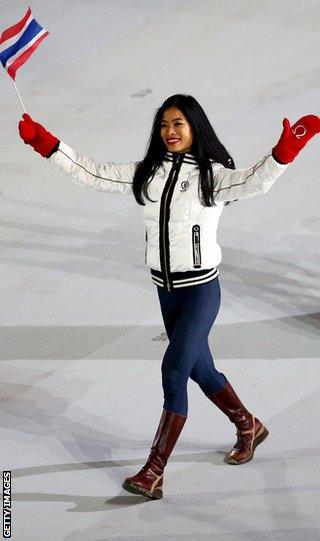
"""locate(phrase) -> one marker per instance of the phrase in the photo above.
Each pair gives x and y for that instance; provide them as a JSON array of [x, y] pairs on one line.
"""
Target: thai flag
[[18, 42]]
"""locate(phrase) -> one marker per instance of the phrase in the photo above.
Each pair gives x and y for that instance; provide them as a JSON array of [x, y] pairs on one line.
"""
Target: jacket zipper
[[196, 246], [166, 266], [175, 172], [145, 252]]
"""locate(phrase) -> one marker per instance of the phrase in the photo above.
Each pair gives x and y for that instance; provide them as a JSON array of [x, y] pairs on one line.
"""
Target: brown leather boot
[[250, 431], [149, 480]]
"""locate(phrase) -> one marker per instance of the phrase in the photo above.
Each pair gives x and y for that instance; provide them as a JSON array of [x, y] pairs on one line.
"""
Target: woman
[[183, 182]]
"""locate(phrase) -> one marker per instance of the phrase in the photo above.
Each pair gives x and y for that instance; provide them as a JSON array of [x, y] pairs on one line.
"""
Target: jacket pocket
[[146, 248], [196, 247]]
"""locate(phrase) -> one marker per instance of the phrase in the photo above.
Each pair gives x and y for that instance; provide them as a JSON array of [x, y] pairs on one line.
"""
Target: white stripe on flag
[[6, 44], [13, 58]]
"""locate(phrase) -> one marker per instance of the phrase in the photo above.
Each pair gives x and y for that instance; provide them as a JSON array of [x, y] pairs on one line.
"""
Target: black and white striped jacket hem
[[185, 278]]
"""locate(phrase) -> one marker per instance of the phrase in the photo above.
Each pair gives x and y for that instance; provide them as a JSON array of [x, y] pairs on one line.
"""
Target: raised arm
[[231, 184], [106, 177]]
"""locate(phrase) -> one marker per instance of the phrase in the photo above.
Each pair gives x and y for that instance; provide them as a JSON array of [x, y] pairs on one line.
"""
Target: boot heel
[[260, 437], [155, 495]]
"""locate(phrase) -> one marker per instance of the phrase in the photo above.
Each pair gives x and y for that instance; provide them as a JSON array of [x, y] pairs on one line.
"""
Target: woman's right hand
[[37, 136]]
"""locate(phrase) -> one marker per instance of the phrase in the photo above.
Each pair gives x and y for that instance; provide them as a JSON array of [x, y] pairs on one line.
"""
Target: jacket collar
[[187, 157]]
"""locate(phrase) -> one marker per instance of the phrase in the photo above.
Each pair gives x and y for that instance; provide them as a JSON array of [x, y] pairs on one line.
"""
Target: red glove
[[294, 138], [37, 136]]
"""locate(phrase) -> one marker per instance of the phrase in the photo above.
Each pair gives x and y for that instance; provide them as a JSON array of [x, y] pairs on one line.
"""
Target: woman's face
[[176, 131]]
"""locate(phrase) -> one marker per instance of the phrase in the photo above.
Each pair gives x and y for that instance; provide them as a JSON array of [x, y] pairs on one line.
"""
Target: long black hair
[[205, 145]]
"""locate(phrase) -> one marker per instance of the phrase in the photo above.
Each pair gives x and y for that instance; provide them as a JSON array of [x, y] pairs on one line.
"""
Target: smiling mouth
[[173, 141]]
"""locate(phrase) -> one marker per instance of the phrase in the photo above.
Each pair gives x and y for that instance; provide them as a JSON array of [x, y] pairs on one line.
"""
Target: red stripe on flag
[[20, 60], [15, 29]]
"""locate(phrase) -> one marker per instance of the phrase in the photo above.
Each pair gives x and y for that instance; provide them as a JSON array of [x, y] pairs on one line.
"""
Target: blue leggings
[[188, 314]]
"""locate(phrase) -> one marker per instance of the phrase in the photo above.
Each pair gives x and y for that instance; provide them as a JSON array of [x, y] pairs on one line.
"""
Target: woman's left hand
[[294, 138]]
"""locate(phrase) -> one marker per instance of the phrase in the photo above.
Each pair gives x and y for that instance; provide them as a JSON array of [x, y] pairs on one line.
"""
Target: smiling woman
[[191, 176], [181, 126], [176, 131]]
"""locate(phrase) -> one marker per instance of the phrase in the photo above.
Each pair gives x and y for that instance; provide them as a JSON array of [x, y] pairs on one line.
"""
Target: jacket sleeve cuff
[[277, 160], [55, 148]]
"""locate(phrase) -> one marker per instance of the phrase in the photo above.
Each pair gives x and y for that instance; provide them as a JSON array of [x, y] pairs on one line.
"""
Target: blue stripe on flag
[[30, 32]]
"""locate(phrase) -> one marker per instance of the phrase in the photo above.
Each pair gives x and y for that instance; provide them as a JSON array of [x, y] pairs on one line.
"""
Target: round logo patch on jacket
[[184, 185]]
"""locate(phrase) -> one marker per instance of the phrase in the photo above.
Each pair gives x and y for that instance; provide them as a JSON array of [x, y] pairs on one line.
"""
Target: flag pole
[[18, 94]]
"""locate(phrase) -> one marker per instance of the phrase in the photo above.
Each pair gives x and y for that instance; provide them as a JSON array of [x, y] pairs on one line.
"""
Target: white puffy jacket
[[181, 234]]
